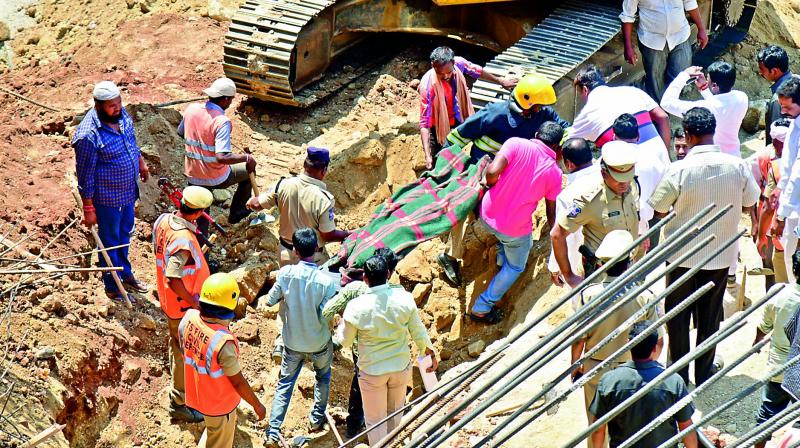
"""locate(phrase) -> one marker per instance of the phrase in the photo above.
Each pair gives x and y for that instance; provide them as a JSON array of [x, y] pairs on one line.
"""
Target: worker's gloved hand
[[241, 308]]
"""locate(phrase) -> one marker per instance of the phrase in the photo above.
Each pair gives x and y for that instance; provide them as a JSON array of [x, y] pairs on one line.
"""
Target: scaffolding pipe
[[682, 235], [672, 410], [747, 391]]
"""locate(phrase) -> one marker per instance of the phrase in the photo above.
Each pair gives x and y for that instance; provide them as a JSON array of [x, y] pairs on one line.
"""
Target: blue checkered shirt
[[107, 161]]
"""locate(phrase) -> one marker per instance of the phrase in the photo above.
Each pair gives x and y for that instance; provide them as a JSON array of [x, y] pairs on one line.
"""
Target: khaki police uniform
[[302, 202], [599, 210], [605, 328]]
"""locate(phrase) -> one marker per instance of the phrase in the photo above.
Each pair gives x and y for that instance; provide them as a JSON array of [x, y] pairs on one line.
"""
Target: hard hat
[[613, 244], [620, 158], [534, 89], [197, 198], [221, 87], [220, 289]]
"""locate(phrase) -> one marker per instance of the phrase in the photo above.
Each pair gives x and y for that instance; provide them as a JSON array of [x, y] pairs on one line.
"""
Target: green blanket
[[421, 210]]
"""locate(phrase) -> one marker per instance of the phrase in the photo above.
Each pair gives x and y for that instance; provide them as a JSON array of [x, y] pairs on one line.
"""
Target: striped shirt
[[107, 161], [705, 176], [427, 100]]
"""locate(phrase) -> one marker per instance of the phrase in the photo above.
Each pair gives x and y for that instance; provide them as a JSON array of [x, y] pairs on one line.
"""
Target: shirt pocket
[[613, 220], [112, 154]]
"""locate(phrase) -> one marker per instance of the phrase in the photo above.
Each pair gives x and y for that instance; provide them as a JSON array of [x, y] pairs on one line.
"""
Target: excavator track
[[260, 47], [565, 39]]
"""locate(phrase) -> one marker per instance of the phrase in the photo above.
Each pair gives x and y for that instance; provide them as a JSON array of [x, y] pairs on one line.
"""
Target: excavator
[[279, 50]]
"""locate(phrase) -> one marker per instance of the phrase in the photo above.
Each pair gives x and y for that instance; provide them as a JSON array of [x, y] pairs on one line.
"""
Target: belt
[[290, 246]]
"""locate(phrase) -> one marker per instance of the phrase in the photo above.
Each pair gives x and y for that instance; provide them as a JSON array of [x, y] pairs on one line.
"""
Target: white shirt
[[563, 202], [649, 171], [661, 22], [789, 183], [705, 176], [729, 110]]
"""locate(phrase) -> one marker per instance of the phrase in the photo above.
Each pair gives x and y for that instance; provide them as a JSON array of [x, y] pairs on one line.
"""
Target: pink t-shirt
[[531, 174]]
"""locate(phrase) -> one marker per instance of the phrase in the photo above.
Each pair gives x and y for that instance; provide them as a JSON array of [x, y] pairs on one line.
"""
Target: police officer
[[303, 201], [181, 269], [600, 207], [214, 381], [613, 244]]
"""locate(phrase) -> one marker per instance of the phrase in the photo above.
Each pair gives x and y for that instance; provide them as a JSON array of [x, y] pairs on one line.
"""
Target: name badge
[[613, 214]]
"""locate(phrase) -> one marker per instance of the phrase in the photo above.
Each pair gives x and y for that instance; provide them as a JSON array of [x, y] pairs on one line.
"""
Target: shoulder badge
[[574, 211], [330, 214]]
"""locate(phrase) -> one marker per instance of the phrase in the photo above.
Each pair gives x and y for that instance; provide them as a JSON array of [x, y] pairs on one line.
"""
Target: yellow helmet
[[197, 197], [220, 289], [534, 89]]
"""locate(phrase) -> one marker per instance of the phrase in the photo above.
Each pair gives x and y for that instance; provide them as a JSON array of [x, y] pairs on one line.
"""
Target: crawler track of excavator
[[280, 50]]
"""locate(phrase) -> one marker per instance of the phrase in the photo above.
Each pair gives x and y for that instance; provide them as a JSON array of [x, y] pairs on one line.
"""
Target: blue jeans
[[290, 369], [114, 225], [773, 400], [512, 256], [662, 66]]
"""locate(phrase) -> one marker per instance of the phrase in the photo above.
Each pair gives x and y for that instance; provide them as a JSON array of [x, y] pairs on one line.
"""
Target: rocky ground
[[73, 357]]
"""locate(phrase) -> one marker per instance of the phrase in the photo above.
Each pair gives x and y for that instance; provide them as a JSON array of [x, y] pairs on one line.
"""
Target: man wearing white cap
[[765, 166], [613, 244], [209, 161], [598, 207], [705, 176], [108, 163], [181, 269]]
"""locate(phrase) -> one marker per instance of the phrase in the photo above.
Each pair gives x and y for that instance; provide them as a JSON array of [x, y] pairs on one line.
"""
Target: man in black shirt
[[619, 384]]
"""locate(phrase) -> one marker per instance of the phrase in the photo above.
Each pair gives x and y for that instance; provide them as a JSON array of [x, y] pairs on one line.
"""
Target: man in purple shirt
[[108, 164], [523, 172], [446, 71]]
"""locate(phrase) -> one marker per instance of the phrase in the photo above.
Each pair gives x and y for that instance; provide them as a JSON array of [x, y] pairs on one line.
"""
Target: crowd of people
[[606, 203]]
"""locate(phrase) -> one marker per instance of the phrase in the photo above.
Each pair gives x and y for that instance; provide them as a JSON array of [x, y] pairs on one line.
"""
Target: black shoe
[[183, 413], [450, 267], [351, 432], [493, 317]]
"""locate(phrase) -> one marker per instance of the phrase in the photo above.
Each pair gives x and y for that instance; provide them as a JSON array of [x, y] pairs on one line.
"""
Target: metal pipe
[[595, 370], [596, 319], [764, 430], [672, 410], [727, 404], [681, 235], [450, 385], [706, 345]]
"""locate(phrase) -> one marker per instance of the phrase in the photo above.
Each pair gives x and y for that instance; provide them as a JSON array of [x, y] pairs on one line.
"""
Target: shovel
[[261, 217]]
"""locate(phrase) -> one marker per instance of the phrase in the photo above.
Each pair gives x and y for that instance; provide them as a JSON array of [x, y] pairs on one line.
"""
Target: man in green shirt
[[777, 312], [382, 320]]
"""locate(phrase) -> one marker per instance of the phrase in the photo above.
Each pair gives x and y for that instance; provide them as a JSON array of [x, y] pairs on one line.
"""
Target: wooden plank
[[44, 435]]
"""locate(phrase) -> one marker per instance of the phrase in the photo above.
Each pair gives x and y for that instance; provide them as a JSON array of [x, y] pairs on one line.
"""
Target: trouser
[[706, 312], [590, 390], [287, 256], [789, 241], [656, 237], [779, 266], [382, 395], [114, 226], [178, 391], [662, 66], [512, 255], [219, 431], [291, 365], [455, 241], [238, 176], [769, 263], [355, 406], [773, 400]]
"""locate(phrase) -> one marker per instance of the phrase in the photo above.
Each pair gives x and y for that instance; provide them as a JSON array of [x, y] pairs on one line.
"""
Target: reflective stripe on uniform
[[488, 145], [203, 370], [197, 156], [213, 344], [208, 182], [455, 138], [199, 144]]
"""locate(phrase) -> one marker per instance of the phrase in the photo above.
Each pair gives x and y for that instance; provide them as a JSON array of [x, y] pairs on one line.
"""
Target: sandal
[[117, 296], [492, 317]]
